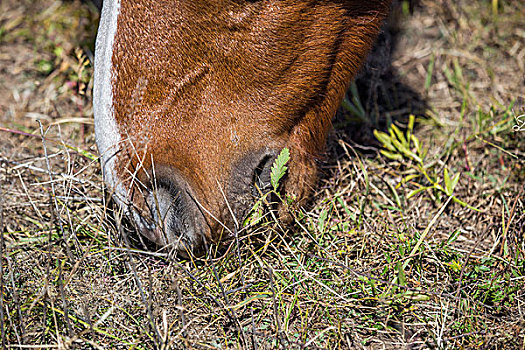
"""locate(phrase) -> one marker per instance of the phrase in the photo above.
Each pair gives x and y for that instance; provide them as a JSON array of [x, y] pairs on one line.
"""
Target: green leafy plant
[[279, 168], [408, 150]]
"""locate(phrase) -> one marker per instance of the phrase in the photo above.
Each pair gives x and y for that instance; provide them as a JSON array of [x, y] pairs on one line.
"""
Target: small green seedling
[[279, 168]]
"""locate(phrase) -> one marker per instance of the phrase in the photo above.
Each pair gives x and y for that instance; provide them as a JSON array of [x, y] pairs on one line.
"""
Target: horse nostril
[[262, 175], [172, 218], [161, 201]]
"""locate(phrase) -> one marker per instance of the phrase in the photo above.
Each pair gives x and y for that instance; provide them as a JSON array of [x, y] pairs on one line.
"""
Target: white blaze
[[106, 128]]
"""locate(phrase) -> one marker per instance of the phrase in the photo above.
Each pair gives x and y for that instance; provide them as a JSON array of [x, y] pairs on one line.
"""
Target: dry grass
[[386, 257]]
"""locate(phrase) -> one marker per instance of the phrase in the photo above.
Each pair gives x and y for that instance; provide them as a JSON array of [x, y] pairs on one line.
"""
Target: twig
[[53, 192], [243, 281], [16, 300], [469, 255], [64, 302], [318, 335], [426, 232], [275, 309], [181, 312], [132, 267], [511, 217], [209, 296], [237, 323], [77, 150]]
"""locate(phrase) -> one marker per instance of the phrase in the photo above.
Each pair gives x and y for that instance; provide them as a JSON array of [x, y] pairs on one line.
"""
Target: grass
[[414, 238]]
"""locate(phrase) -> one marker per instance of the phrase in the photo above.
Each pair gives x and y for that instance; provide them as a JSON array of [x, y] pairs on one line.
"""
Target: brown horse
[[194, 99]]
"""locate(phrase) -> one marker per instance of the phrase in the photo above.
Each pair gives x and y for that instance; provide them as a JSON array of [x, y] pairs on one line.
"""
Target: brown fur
[[200, 85]]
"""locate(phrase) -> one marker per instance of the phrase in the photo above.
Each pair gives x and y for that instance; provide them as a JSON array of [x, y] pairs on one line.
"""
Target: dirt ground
[[388, 255]]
